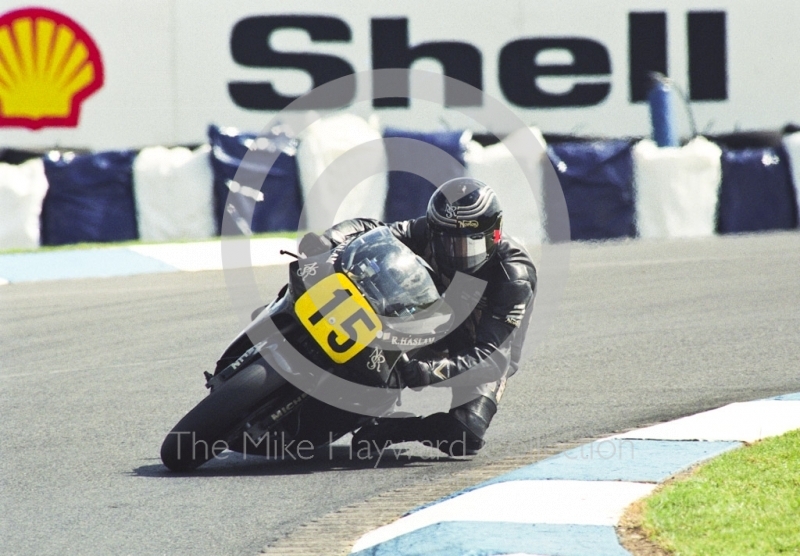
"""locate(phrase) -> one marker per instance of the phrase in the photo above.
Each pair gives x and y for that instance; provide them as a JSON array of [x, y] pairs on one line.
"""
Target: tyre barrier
[[276, 205], [173, 199], [89, 198], [523, 209], [22, 191], [756, 192], [325, 184], [676, 188], [791, 145], [597, 181], [612, 188], [408, 193]]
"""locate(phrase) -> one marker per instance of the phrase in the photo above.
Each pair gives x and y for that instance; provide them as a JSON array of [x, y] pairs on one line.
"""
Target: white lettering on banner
[[563, 66]]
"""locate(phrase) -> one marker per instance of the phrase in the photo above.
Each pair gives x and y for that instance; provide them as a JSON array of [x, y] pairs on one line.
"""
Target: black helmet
[[465, 220]]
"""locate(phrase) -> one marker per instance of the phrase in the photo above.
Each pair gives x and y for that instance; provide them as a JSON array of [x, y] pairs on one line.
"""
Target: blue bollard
[[662, 113]]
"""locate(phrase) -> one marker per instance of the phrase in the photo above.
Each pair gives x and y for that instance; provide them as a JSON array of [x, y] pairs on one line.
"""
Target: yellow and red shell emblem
[[48, 66]]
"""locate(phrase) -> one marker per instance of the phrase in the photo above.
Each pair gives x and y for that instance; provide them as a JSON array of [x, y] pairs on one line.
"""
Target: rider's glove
[[312, 245], [416, 373]]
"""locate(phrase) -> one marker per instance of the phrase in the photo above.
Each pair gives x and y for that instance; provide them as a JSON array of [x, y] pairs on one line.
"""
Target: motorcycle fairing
[[338, 317]]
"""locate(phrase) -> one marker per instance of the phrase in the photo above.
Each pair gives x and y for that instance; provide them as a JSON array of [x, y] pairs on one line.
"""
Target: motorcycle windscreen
[[396, 281]]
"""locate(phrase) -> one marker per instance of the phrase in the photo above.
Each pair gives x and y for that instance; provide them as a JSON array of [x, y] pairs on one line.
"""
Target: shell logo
[[48, 66]]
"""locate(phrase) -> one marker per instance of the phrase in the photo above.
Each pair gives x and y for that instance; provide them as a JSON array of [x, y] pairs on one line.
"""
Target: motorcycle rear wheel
[[205, 430]]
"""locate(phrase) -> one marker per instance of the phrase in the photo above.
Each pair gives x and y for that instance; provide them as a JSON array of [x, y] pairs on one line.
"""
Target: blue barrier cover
[[89, 199], [408, 193], [597, 181], [282, 200], [756, 192]]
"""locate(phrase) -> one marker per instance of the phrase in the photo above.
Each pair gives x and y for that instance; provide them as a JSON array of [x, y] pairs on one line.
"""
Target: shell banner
[[117, 75], [48, 65]]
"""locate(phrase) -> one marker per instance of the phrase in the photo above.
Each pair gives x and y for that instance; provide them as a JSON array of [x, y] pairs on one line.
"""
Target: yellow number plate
[[338, 317]]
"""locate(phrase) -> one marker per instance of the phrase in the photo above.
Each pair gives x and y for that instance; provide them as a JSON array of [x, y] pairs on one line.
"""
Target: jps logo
[[307, 270], [376, 359], [450, 211]]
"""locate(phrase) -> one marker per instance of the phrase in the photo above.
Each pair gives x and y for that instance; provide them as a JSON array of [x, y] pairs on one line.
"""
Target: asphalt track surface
[[94, 373]]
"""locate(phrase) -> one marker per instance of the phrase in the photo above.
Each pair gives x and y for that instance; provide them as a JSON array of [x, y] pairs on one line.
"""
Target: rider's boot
[[457, 433]]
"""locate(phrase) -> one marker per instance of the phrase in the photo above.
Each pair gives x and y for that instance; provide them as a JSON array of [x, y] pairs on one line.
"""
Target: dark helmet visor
[[462, 253]]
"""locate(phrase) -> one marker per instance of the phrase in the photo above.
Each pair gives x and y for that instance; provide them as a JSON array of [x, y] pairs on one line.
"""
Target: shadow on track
[[331, 458]]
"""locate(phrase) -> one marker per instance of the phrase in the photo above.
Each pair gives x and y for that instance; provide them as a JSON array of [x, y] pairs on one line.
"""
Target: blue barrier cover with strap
[[408, 193], [756, 192], [277, 205], [597, 180]]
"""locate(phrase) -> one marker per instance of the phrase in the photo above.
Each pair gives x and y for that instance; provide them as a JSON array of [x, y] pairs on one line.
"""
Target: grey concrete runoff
[[94, 373]]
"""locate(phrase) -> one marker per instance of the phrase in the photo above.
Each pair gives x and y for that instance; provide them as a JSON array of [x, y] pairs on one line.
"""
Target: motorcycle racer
[[461, 232]]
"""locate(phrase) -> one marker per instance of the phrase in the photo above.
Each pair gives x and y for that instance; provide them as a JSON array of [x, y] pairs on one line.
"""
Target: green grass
[[744, 502], [83, 246]]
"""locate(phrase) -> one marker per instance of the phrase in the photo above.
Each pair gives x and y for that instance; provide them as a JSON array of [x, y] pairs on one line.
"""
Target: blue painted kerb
[[789, 397], [620, 459], [484, 538], [612, 459]]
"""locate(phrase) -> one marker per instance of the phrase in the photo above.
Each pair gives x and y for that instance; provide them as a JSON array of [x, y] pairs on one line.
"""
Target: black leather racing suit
[[490, 336]]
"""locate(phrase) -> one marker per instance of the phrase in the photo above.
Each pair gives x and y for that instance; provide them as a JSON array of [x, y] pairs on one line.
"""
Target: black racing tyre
[[203, 432]]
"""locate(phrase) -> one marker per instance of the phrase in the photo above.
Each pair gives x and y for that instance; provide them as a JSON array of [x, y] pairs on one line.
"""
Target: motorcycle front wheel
[[204, 432]]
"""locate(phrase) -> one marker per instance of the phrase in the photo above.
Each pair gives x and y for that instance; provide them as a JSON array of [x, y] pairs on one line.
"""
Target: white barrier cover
[[792, 145], [22, 191], [320, 147], [676, 188], [523, 215], [174, 193]]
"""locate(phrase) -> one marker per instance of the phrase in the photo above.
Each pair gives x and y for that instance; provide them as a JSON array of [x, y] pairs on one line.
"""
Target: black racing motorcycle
[[319, 360]]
